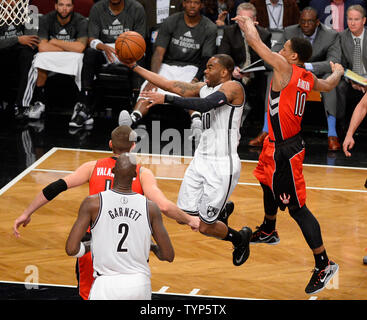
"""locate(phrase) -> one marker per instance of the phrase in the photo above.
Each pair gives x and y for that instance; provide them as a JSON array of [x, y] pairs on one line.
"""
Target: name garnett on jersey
[[124, 212]]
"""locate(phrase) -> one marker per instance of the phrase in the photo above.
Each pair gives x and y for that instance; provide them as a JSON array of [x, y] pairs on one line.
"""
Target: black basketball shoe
[[260, 236], [241, 252], [80, 116], [320, 278], [226, 212]]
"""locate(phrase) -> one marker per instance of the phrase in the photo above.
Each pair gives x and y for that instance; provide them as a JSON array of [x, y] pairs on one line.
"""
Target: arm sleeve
[[214, 100]]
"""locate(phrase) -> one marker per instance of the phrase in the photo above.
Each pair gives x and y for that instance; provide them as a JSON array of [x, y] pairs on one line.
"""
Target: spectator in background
[[325, 48], [234, 44], [61, 30], [185, 42], [18, 45], [221, 12], [156, 12], [107, 20], [353, 42], [276, 14], [334, 13]]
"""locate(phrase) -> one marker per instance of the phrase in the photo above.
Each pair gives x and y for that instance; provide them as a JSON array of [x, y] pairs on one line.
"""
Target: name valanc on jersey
[[121, 234]]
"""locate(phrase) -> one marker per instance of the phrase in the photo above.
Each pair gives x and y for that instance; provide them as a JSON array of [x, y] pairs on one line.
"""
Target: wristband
[[94, 43], [195, 114], [81, 251], [134, 66]]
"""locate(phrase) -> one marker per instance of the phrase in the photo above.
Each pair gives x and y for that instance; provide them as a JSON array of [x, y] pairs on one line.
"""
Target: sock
[[331, 122], [265, 127], [136, 116], [268, 225], [321, 260], [233, 236]]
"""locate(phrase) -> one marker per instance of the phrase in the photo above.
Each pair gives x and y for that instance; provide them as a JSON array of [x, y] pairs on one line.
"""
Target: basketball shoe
[[21, 113], [35, 111], [125, 118], [80, 116], [241, 252], [260, 236], [320, 278]]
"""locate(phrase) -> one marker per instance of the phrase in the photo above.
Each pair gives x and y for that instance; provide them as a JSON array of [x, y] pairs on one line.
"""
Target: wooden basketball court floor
[[202, 266]]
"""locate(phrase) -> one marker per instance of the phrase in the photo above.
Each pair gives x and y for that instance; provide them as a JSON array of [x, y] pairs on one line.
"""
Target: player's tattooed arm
[[186, 89]]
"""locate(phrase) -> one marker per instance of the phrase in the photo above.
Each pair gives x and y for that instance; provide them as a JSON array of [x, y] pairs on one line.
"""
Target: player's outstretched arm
[[247, 25], [326, 85], [181, 88], [167, 207], [78, 177], [163, 249]]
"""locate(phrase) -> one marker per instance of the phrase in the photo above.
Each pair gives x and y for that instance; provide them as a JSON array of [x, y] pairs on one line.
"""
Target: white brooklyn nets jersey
[[121, 234], [221, 128]]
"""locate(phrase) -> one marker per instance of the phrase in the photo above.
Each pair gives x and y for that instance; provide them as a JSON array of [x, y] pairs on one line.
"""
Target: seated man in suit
[[333, 13], [353, 42], [325, 48], [234, 44], [275, 15]]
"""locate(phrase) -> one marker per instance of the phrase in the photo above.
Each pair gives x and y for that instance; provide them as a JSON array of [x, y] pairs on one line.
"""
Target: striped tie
[[357, 61]]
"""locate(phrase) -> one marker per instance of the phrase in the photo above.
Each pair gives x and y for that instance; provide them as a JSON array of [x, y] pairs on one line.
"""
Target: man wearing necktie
[[353, 42]]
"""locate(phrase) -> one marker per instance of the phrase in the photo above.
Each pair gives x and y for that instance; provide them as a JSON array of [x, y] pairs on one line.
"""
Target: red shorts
[[280, 168], [86, 279]]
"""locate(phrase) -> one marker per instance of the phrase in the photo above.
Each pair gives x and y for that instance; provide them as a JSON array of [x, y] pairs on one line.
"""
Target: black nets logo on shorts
[[211, 212]]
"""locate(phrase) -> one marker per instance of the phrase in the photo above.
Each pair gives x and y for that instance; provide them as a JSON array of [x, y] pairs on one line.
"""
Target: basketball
[[130, 46]]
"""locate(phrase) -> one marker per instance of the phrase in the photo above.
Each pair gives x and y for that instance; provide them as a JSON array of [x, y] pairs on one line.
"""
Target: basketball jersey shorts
[[207, 184]]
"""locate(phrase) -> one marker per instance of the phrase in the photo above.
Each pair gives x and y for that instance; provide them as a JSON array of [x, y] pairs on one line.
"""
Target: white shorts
[[179, 73], [121, 287], [207, 185]]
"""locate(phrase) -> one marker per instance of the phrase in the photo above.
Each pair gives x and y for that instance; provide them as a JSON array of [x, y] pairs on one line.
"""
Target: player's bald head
[[125, 168]]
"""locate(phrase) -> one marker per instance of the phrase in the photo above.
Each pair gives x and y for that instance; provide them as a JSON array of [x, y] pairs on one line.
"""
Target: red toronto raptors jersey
[[101, 179], [286, 108]]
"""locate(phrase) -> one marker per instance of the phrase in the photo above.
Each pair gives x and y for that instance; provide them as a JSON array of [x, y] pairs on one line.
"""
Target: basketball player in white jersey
[[122, 223], [214, 172]]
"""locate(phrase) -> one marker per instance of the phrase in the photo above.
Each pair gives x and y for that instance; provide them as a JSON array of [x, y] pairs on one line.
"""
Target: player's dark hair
[[57, 1], [302, 47], [226, 61], [122, 138]]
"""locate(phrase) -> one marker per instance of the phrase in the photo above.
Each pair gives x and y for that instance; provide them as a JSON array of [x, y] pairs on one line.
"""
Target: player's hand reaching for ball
[[153, 97]]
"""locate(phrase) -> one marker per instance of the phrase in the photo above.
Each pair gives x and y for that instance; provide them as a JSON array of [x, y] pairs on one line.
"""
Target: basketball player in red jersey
[[99, 175], [279, 170]]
